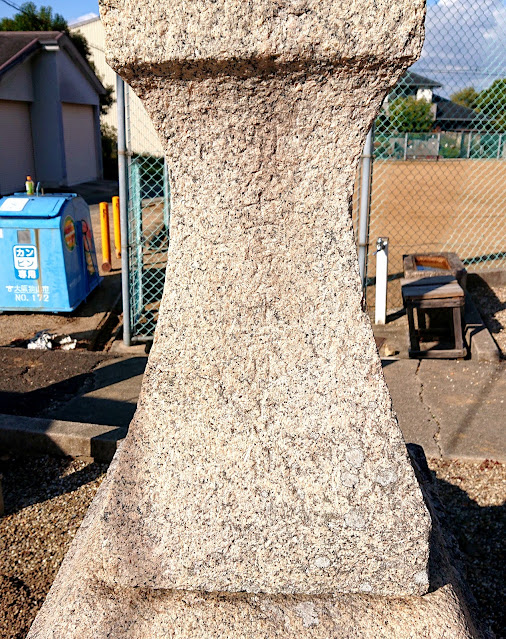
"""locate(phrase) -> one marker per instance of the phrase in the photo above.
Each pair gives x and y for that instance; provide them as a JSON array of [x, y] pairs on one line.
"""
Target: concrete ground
[[454, 409], [75, 403], [90, 322]]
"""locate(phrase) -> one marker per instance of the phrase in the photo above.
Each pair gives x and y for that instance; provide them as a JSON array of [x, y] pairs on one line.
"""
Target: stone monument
[[264, 489]]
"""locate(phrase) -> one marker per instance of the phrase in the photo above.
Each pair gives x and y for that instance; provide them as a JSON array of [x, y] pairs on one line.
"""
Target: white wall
[[424, 94], [143, 137]]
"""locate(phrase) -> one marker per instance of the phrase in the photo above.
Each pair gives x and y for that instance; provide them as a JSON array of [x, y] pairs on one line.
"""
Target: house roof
[[17, 46], [448, 110], [415, 80]]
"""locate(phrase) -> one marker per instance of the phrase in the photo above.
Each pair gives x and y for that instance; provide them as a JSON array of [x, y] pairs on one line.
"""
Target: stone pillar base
[[81, 603]]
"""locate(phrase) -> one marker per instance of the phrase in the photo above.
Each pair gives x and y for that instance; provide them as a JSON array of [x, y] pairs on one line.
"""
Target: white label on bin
[[26, 263], [14, 204], [28, 292]]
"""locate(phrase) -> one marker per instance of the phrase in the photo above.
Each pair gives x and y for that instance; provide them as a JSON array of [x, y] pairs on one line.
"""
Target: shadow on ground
[[478, 530], [45, 499], [38, 369], [92, 192], [480, 535], [483, 294], [34, 480]]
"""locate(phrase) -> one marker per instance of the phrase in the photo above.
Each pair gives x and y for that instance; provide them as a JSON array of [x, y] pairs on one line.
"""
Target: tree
[[409, 115], [109, 136], [465, 97], [30, 18], [491, 103]]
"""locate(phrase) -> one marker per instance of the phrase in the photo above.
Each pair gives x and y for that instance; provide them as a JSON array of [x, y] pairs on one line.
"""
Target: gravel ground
[[491, 302], [46, 499], [474, 496]]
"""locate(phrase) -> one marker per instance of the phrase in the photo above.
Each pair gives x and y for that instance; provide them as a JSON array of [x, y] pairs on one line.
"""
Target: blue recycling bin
[[47, 253]]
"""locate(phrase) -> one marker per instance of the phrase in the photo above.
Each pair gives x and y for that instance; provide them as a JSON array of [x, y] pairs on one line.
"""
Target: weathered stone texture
[[265, 456], [81, 604], [288, 30], [264, 489]]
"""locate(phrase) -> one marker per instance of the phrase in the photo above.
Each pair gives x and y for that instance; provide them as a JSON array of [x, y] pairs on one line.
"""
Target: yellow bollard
[[106, 240], [117, 226]]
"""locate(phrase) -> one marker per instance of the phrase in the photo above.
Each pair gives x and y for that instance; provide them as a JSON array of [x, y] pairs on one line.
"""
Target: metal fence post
[[137, 241], [166, 196], [365, 199], [123, 208]]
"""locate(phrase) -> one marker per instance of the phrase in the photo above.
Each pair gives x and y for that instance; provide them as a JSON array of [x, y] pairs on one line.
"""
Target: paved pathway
[[454, 409]]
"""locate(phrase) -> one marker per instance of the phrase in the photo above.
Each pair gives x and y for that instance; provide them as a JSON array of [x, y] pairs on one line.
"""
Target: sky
[[69, 9], [480, 24], [465, 44]]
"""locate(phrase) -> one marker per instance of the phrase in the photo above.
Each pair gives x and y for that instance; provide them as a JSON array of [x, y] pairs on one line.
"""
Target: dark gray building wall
[[47, 123]]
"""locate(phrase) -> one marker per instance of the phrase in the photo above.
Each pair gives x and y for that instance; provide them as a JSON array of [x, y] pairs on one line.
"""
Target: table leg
[[413, 339], [457, 327]]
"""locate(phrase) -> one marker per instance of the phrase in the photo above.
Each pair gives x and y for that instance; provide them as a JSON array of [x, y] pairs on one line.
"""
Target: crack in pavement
[[437, 433]]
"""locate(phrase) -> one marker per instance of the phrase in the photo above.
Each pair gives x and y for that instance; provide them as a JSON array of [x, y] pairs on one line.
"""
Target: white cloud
[[86, 17], [465, 43]]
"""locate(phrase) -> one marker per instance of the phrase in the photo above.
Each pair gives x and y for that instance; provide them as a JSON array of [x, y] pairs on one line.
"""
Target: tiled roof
[[17, 44], [415, 80], [448, 110]]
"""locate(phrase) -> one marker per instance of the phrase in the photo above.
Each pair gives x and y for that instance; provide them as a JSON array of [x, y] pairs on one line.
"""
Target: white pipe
[[380, 309], [365, 200]]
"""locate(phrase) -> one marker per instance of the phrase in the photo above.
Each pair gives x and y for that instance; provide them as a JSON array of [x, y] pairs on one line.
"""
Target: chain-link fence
[[439, 170], [148, 218]]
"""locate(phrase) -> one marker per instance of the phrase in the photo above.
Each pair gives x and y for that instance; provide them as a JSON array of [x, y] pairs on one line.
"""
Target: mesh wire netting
[[439, 171], [148, 218]]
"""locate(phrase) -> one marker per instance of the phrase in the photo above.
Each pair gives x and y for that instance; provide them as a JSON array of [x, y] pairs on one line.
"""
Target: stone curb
[[477, 335], [493, 276], [35, 435]]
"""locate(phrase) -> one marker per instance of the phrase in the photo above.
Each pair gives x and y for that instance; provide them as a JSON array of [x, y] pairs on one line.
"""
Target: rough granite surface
[[265, 455], [264, 489], [82, 604]]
